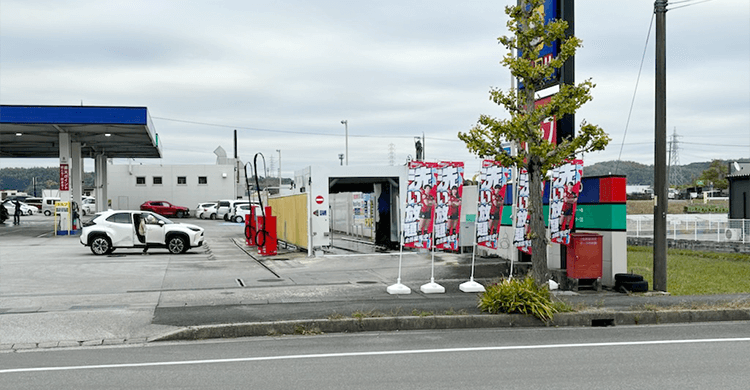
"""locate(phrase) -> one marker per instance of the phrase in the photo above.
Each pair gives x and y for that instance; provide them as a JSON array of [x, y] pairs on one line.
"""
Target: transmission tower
[[391, 154], [675, 174]]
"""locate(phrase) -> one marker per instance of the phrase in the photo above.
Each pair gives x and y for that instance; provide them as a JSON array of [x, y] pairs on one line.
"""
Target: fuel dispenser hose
[[260, 235]]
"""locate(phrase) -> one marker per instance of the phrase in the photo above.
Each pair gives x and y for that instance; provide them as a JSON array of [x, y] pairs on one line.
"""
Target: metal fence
[[698, 227]]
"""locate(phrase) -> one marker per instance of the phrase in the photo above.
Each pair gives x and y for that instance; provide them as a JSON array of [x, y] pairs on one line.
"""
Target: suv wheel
[[101, 245], [177, 244]]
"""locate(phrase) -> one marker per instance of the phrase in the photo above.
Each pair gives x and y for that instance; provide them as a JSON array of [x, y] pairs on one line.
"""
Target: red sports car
[[165, 208]]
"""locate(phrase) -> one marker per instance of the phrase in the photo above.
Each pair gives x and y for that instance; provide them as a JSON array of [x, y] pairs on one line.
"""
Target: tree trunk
[[539, 269]]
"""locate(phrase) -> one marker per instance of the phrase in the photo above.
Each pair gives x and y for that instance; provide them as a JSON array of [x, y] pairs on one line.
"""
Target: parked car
[[113, 229], [224, 207], [241, 210], [48, 205], [165, 208], [209, 213], [88, 205], [201, 207], [35, 202], [25, 209]]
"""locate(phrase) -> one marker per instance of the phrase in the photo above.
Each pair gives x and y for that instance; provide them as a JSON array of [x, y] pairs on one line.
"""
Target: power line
[[637, 80], [294, 132]]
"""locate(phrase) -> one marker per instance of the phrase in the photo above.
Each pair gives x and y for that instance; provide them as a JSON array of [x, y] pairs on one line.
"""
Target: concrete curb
[[374, 324]]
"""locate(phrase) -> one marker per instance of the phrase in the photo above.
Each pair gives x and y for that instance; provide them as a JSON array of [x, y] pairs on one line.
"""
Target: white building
[[129, 185]]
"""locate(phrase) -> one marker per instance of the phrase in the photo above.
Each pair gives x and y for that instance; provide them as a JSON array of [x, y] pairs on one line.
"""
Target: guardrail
[[697, 227]]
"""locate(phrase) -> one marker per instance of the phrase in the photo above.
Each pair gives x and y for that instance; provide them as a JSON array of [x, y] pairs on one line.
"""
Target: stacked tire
[[628, 283]]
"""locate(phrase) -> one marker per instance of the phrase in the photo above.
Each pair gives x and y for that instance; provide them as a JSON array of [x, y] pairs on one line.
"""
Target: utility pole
[[660, 151]]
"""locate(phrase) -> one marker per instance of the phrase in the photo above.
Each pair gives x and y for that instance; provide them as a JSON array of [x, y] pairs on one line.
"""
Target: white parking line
[[373, 353]]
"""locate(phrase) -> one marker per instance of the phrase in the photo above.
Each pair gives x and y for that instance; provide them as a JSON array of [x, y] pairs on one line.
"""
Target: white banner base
[[471, 287], [432, 288], [398, 288]]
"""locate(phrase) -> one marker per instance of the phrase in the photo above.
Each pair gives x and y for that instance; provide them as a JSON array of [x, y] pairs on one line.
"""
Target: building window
[[202, 180], [140, 180], [157, 180], [181, 180]]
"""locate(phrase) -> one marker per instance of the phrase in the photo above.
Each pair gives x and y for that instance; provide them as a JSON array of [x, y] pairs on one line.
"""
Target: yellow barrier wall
[[291, 218]]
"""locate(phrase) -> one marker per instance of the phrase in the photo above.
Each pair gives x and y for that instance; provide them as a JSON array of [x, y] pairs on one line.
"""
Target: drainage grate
[[366, 282], [240, 282], [603, 322], [269, 280]]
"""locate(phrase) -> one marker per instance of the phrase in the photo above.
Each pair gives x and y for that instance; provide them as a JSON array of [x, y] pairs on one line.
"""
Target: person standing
[[142, 232], [17, 213]]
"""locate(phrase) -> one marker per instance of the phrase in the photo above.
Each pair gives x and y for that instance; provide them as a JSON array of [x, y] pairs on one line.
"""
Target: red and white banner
[[494, 179], [449, 190], [420, 204], [522, 239], [564, 190], [64, 178]]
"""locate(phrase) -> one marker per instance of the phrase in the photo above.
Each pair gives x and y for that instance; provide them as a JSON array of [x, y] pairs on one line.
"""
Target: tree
[[716, 174], [485, 139]]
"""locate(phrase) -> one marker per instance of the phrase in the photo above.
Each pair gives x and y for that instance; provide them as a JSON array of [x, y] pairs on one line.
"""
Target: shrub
[[518, 296]]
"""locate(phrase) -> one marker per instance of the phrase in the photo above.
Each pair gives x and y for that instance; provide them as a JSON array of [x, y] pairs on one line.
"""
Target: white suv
[[224, 207], [119, 229]]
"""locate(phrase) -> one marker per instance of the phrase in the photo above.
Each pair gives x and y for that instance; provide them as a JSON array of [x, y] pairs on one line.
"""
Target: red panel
[[612, 190], [584, 260]]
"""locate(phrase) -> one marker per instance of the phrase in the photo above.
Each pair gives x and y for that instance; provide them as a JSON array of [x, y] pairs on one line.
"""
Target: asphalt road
[[661, 357]]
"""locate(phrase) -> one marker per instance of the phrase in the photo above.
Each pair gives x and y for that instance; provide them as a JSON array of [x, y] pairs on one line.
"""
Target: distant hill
[[22, 179], [640, 174]]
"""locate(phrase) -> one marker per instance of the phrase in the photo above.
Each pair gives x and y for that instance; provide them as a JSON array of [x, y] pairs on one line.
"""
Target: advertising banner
[[450, 179], [420, 204], [564, 190], [64, 178], [522, 239], [494, 179]]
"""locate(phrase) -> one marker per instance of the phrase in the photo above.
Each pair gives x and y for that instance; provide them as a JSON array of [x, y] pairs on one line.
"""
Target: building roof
[[117, 132]]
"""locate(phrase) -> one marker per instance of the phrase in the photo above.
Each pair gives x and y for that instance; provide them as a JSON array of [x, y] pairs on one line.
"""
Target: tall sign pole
[[660, 151]]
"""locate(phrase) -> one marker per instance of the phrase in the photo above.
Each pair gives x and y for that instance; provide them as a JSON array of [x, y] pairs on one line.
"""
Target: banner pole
[[432, 287], [398, 288], [471, 285]]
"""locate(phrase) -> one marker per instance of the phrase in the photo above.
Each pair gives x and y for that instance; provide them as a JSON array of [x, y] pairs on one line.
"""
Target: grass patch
[[694, 272]]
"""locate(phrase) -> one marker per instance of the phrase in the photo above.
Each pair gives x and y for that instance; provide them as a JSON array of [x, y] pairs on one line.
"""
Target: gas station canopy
[[117, 132]]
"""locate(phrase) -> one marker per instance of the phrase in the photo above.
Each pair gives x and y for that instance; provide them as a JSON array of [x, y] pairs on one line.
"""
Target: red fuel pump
[[267, 245], [251, 227]]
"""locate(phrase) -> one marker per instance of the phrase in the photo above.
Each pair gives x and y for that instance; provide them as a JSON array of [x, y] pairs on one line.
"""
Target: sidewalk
[[55, 293]]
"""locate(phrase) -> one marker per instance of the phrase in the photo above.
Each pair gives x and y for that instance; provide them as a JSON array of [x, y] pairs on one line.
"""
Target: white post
[[471, 285], [399, 288]]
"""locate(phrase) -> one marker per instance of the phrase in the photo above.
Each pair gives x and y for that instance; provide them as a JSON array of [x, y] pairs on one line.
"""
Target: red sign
[[64, 178], [319, 199]]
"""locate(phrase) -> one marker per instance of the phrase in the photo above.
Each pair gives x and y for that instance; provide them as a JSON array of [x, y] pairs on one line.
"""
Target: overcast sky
[[285, 74]]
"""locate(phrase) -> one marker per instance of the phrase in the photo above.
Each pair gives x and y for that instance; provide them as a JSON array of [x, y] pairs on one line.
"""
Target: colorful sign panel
[[449, 190], [494, 179], [549, 125], [550, 11], [565, 188], [420, 202], [521, 238]]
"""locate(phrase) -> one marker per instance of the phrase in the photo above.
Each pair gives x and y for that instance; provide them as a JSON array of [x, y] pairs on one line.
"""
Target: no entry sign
[[319, 199]]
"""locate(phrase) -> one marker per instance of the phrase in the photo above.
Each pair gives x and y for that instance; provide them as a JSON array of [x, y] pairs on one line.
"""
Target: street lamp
[[279, 150], [346, 129]]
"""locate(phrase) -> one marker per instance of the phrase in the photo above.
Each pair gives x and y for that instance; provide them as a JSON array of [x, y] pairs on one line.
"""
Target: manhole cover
[[366, 282], [270, 280]]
